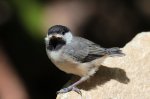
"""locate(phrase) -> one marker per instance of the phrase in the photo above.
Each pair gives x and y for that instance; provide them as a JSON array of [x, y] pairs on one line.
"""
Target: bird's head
[[57, 37]]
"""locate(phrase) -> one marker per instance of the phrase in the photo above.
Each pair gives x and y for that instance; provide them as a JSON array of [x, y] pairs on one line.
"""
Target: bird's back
[[83, 50]]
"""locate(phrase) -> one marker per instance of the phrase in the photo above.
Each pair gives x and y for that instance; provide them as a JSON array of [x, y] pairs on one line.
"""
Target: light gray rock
[[125, 77]]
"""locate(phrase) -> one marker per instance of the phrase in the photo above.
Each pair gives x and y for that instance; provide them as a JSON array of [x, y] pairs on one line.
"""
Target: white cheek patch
[[68, 37], [46, 40]]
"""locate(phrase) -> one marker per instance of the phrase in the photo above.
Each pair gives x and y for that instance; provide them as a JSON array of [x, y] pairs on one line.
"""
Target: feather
[[83, 50]]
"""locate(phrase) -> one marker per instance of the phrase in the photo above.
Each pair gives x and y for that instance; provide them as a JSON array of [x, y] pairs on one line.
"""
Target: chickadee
[[75, 55]]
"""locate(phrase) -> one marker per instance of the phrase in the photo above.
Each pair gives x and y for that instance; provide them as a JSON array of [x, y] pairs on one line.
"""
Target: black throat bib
[[56, 43]]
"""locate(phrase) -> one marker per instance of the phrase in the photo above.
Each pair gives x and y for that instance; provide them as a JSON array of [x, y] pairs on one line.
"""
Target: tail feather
[[115, 51]]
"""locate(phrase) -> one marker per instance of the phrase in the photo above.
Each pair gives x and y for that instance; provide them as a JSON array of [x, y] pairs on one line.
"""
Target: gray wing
[[84, 50]]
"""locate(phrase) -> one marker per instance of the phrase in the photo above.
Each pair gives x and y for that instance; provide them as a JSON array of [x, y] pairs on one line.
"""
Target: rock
[[125, 77]]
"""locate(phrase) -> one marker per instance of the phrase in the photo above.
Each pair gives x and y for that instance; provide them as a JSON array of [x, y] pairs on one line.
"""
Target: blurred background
[[25, 70]]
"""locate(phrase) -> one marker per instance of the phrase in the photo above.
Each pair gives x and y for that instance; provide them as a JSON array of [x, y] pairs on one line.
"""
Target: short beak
[[55, 41]]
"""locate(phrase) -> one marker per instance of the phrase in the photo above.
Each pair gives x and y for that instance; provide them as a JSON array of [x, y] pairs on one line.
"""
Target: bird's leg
[[73, 86]]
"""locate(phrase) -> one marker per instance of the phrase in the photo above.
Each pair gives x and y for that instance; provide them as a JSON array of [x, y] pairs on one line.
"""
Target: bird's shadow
[[102, 76]]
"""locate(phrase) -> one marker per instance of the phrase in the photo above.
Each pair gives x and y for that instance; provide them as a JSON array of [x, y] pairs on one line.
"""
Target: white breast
[[65, 63], [54, 55]]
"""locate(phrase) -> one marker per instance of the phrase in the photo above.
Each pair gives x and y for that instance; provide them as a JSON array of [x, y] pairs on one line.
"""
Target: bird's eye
[[63, 33]]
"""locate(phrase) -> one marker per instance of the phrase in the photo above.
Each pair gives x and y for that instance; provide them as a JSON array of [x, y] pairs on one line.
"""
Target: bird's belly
[[72, 68], [67, 64]]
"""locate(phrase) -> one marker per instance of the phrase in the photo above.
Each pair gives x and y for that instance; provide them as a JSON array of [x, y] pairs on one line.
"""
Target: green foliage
[[30, 13]]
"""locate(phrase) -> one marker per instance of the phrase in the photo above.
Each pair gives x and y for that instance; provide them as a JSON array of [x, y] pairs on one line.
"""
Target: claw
[[65, 90], [77, 90], [73, 86]]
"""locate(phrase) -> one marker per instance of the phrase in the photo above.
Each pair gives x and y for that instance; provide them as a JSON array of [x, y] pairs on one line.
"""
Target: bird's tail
[[115, 51]]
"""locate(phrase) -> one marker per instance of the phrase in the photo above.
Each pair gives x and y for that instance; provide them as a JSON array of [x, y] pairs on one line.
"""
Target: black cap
[[60, 29]]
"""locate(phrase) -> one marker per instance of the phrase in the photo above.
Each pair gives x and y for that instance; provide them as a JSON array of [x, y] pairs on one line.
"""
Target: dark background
[[23, 25]]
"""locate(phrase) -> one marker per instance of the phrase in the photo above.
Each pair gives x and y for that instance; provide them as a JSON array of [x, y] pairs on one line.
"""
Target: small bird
[[75, 55]]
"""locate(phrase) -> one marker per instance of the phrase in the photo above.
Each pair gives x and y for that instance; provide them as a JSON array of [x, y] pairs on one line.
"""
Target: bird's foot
[[65, 90]]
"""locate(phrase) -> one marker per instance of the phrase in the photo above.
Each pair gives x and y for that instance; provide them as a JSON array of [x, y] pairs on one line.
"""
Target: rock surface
[[125, 77]]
